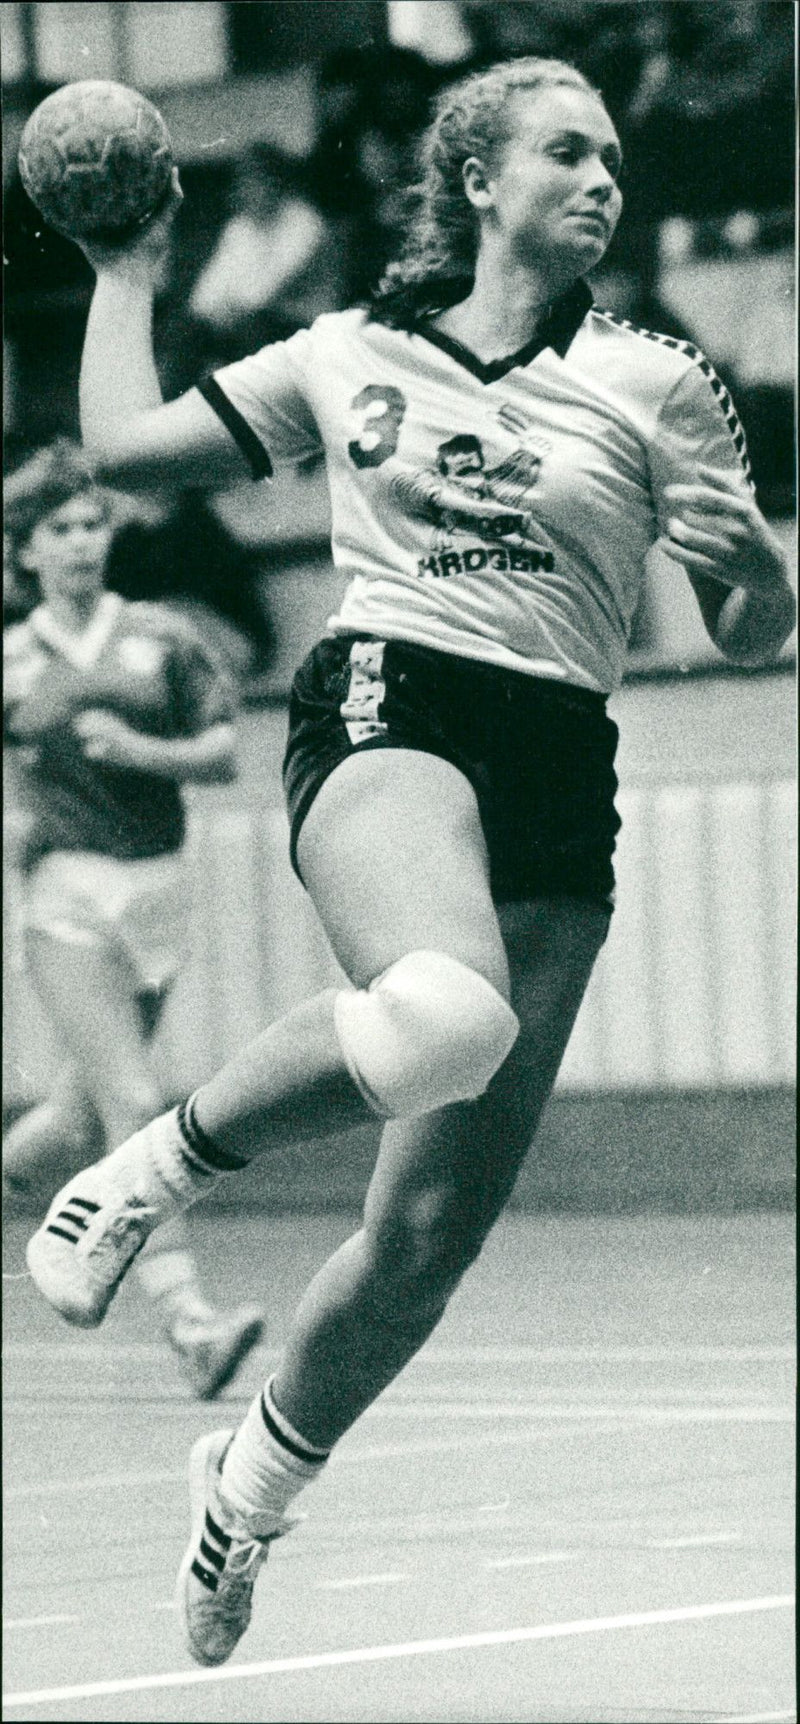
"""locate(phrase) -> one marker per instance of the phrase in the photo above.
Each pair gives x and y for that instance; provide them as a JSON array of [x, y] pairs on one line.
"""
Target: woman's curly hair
[[436, 265]]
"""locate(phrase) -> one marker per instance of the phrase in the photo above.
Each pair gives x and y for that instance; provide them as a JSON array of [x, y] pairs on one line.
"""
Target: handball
[[96, 160]]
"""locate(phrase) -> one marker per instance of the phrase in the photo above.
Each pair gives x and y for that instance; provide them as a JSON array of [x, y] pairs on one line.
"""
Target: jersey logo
[[141, 657], [463, 495], [513, 418], [460, 494], [476, 558]]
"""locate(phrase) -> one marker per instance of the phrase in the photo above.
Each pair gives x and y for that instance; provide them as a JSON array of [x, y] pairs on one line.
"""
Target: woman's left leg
[[440, 1182]]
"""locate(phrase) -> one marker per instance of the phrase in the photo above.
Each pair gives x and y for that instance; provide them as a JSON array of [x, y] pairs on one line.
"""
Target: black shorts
[[539, 754]]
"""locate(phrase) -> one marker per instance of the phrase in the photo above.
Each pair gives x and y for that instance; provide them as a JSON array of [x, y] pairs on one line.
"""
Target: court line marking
[[667, 1394], [695, 1541], [756, 1717], [349, 1456], [99, 1481], [532, 1561], [407, 1649], [359, 1580], [36, 1621], [433, 1355], [610, 1416], [444, 1355], [641, 1413]]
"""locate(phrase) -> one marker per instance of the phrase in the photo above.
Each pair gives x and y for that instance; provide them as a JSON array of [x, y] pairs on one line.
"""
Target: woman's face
[[68, 549], [554, 189]]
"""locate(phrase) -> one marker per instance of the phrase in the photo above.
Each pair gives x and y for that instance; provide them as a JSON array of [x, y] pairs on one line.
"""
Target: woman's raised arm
[[132, 437]]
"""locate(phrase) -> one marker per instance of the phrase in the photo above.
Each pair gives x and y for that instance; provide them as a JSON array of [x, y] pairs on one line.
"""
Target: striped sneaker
[[211, 1345], [219, 1570], [87, 1241]]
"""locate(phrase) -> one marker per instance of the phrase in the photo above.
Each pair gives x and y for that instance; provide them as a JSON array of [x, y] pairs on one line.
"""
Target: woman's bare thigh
[[394, 859]]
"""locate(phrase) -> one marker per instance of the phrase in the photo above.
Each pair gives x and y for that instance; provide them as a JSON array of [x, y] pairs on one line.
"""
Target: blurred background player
[[109, 708]]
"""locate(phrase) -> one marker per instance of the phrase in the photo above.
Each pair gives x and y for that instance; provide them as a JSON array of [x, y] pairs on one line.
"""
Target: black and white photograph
[[400, 857]]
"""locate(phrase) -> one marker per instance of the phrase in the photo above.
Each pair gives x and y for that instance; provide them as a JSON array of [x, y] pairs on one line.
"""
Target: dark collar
[[558, 331]]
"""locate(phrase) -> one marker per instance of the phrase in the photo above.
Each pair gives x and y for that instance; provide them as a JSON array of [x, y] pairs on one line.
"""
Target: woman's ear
[[477, 183]]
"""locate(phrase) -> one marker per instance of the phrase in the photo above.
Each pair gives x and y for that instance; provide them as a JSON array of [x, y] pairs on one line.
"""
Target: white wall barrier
[[695, 987]]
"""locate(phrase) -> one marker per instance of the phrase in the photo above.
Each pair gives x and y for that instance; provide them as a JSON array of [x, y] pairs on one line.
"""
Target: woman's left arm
[[717, 533], [209, 757]]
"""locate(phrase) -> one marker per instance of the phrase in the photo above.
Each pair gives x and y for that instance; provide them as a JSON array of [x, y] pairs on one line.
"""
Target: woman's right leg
[[393, 855]]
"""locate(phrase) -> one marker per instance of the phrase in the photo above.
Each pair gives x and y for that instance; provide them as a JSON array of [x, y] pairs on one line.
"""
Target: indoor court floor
[[574, 1505]]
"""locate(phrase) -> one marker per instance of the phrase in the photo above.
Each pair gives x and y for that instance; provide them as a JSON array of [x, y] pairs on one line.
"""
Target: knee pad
[[428, 1032]]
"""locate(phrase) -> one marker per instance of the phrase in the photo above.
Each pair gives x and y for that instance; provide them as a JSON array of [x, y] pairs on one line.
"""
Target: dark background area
[[702, 94]]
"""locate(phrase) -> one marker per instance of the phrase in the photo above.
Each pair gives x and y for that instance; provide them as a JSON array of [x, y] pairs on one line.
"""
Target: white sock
[[267, 1465], [159, 1166]]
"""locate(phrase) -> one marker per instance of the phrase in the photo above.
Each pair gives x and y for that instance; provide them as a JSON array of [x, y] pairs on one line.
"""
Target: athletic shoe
[[88, 1239], [219, 1570], [211, 1348]]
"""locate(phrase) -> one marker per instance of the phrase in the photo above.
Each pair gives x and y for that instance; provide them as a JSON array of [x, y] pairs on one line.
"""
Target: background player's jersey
[[560, 453], [135, 660]]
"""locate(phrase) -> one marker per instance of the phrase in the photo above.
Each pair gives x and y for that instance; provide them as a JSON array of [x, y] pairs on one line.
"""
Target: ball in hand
[[96, 159]]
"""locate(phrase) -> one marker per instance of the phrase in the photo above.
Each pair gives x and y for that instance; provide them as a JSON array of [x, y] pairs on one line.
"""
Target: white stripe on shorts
[[367, 689]]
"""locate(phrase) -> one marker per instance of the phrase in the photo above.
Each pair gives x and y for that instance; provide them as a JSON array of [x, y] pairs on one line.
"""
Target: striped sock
[[199, 1149], [267, 1465], [158, 1165]]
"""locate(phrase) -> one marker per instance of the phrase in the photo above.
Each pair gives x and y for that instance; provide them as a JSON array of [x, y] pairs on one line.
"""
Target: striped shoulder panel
[[698, 358]]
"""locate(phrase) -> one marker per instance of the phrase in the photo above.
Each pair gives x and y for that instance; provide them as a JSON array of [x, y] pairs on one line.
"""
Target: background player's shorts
[[539, 754], [139, 908]]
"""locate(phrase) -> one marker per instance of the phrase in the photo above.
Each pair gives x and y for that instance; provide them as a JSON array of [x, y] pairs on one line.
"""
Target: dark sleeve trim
[[251, 446]]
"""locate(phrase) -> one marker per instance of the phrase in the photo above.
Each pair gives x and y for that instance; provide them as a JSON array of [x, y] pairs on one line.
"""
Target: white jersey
[[504, 511]]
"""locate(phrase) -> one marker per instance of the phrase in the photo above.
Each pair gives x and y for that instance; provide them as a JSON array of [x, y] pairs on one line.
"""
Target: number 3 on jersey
[[383, 409]]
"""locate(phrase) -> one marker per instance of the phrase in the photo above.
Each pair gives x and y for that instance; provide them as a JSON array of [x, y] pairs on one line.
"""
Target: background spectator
[[271, 270], [372, 108], [294, 196]]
